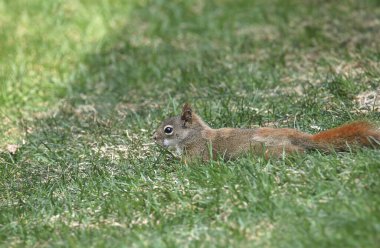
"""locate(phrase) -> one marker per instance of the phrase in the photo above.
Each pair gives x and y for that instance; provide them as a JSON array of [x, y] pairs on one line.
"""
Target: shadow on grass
[[170, 52], [100, 134]]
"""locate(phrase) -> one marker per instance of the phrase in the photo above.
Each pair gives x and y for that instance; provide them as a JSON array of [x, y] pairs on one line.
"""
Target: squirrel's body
[[192, 137]]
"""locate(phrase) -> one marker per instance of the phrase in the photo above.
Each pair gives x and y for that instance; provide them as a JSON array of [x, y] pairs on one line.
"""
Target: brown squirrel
[[190, 136]]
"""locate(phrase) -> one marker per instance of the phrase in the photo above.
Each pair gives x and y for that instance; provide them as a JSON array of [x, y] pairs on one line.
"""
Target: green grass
[[84, 84]]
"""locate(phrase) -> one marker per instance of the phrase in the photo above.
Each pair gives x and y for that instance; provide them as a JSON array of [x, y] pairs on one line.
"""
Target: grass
[[85, 83]]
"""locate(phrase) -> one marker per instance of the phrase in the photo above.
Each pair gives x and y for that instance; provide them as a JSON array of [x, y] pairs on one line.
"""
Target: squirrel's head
[[176, 131]]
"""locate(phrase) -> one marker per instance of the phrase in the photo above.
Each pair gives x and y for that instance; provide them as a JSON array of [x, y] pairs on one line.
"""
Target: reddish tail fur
[[353, 134]]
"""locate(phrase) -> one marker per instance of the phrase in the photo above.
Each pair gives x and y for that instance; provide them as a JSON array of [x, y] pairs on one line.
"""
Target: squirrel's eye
[[168, 129]]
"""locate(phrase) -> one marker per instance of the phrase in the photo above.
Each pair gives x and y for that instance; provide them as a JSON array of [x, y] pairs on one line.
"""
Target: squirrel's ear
[[186, 115]]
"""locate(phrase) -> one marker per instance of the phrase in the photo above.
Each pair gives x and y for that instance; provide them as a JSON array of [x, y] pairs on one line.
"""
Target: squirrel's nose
[[154, 136]]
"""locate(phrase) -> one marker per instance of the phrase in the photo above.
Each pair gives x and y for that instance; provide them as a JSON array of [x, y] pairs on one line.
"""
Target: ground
[[85, 83]]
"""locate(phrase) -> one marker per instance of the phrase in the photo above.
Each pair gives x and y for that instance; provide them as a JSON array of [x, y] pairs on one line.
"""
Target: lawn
[[85, 83]]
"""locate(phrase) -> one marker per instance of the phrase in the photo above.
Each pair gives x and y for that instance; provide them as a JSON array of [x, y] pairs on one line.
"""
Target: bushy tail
[[362, 134]]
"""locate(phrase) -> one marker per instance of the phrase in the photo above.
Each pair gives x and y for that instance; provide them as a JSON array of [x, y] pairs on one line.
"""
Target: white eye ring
[[168, 130]]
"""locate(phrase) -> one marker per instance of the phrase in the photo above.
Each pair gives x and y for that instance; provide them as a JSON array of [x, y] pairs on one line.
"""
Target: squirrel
[[191, 137]]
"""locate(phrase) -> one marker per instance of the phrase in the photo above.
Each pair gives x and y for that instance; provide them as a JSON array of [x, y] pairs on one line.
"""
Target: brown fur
[[353, 134], [194, 138]]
